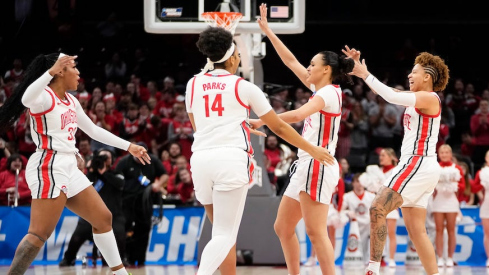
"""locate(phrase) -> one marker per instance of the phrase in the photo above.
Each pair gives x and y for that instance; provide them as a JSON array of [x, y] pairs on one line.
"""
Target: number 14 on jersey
[[216, 105]]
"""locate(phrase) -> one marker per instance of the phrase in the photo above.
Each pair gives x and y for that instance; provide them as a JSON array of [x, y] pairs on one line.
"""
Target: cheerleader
[[480, 184], [445, 203], [373, 179]]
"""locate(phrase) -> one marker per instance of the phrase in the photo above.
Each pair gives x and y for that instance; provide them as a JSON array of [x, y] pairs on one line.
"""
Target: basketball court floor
[[242, 270]]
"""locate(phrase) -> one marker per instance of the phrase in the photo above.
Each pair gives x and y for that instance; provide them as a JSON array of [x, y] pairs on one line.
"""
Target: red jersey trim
[[217, 75], [426, 115], [62, 101], [192, 94], [47, 111], [329, 114], [237, 95]]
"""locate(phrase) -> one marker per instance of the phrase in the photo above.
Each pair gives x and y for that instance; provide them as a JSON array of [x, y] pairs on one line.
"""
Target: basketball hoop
[[227, 20]]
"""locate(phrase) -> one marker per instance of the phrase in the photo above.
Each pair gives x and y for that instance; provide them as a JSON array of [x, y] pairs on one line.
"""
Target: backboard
[[177, 16]]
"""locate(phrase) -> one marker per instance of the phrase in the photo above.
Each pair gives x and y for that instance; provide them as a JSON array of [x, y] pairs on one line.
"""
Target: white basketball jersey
[[55, 128], [220, 103], [420, 132], [321, 128], [360, 205]]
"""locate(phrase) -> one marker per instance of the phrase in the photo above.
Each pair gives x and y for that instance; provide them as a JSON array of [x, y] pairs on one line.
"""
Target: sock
[[108, 247], [374, 266], [121, 271], [437, 274]]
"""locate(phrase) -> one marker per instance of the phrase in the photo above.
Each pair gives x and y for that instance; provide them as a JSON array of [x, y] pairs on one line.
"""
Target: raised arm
[[35, 97], [285, 54], [422, 100]]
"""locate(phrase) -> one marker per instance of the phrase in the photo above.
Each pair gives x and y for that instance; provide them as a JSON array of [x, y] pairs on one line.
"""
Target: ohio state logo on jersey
[[361, 209], [67, 118], [352, 244], [406, 119]]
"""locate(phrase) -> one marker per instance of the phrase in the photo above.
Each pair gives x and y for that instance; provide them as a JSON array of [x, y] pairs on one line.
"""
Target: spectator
[[180, 129], [344, 133], [25, 144], [164, 106], [174, 151], [116, 68], [480, 132], [153, 89], [479, 186], [185, 186], [465, 195], [104, 121], [97, 95], [7, 183], [382, 118], [130, 126], [278, 158], [356, 206], [16, 73], [85, 149], [346, 174], [109, 185], [110, 104], [359, 138], [142, 92], [142, 189]]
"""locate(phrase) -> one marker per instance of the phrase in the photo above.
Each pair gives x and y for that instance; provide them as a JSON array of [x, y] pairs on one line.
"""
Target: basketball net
[[227, 20]]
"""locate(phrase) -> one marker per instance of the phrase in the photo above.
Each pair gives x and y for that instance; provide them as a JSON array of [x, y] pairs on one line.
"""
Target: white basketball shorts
[[315, 179], [222, 169], [415, 178], [50, 172]]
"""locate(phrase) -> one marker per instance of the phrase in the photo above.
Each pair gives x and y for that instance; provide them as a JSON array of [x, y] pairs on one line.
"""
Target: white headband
[[210, 65], [61, 55]]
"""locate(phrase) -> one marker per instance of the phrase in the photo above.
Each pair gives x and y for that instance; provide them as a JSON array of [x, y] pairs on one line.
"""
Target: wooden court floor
[[242, 270]]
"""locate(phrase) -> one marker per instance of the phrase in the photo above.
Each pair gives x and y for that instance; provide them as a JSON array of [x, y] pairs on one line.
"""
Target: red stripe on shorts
[[45, 174], [406, 173]]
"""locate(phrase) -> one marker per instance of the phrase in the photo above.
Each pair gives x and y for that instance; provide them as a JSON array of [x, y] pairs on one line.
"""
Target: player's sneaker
[[312, 261], [441, 262], [449, 262], [392, 263]]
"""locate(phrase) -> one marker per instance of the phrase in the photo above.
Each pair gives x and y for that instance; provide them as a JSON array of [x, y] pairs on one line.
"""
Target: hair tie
[[209, 66]]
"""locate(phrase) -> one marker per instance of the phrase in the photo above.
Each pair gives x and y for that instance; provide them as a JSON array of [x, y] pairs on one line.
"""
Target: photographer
[[109, 185], [142, 189]]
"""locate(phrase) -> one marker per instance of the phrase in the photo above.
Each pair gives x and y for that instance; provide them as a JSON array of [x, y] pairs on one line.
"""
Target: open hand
[[262, 21], [62, 63], [322, 155], [140, 153], [352, 53]]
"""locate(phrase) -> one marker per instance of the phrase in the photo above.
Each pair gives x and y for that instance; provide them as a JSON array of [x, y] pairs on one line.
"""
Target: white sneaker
[[392, 263], [441, 262], [449, 262], [487, 263], [311, 261]]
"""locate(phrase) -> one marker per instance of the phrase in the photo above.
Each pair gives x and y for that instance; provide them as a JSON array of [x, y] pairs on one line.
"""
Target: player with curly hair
[[413, 181]]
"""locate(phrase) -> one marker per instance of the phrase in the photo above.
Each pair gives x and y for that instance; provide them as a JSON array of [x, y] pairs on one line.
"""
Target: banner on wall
[[469, 249], [172, 241]]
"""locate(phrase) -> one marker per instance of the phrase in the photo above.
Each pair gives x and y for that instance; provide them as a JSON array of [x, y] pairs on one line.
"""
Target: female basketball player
[[445, 203], [373, 179], [51, 172], [219, 103], [309, 192], [412, 181], [481, 184]]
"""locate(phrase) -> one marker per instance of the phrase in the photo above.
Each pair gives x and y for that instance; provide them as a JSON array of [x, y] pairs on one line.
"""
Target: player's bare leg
[[288, 215], [385, 201], [228, 266], [315, 216], [45, 214], [415, 218]]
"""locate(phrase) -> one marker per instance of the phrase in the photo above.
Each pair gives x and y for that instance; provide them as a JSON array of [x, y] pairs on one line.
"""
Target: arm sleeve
[[399, 98], [35, 97], [98, 133], [251, 94]]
